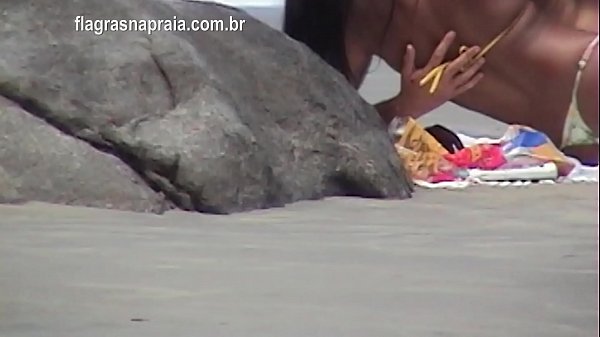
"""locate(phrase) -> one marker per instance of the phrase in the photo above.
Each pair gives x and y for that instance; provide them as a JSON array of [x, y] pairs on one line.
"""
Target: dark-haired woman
[[541, 57]]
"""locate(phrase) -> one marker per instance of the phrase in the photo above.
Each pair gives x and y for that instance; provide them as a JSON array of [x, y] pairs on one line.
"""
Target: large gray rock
[[38, 162], [216, 121]]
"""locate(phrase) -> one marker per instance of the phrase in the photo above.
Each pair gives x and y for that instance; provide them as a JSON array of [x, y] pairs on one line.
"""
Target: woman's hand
[[459, 76]]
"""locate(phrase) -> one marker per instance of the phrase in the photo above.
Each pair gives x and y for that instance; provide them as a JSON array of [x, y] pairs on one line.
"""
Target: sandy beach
[[518, 261], [482, 262]]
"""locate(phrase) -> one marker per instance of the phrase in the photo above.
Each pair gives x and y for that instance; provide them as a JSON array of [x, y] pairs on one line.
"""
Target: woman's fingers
[[467, 75], [469, 85], [440, 52], [462, 62], [408, 65]]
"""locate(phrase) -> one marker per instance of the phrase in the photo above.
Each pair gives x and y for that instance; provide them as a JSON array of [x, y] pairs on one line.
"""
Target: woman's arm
[[404, 106], [390, 109], [414, 99]]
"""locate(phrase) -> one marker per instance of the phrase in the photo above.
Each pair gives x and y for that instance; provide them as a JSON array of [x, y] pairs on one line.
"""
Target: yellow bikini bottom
[[576, 131]]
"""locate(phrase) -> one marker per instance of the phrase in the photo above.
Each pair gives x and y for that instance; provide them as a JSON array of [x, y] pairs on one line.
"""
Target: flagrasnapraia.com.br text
[[149, 26]]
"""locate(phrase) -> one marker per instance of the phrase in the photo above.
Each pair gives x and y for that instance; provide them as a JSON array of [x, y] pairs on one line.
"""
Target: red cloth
[[484, 157]]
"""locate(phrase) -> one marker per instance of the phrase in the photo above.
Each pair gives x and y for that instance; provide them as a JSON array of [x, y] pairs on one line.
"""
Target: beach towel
[[520, 157]]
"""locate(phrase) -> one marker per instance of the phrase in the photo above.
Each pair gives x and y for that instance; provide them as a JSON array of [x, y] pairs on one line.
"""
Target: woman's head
[[325, 25], [321, 25]]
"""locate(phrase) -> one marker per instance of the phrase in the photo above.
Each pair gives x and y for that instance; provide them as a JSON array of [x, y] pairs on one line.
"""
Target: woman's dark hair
[[321, 25]]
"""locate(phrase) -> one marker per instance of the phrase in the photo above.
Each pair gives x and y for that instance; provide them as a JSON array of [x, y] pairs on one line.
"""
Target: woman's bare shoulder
[[477, 19], [490, 9]]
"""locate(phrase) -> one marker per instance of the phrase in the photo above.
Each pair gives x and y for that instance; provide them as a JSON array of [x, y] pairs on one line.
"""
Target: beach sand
[[477, 262], [480, 262]]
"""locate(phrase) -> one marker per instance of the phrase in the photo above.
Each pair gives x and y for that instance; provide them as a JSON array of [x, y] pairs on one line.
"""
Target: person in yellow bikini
[[527, 62]]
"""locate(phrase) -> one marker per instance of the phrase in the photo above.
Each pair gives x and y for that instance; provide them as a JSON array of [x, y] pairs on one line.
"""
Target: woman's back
[[532, 67]]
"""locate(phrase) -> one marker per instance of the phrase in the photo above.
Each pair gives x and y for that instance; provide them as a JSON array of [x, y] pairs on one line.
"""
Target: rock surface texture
[[215, 122]]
